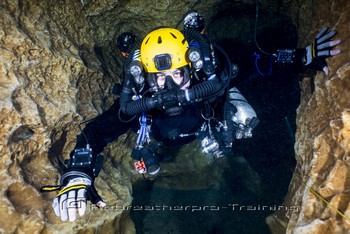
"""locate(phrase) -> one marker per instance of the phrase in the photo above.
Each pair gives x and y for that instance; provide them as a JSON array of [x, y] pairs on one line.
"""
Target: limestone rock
[[321, 178]]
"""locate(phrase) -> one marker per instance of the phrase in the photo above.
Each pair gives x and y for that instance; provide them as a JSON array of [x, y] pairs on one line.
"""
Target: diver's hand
[[321, 49], [72, 199]]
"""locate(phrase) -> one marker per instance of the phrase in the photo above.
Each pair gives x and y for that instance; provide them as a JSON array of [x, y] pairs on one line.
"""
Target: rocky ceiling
[[59, 64]]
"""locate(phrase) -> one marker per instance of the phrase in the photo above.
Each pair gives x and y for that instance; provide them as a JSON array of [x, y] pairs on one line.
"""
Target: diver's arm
[[314, 55], [103, 129]]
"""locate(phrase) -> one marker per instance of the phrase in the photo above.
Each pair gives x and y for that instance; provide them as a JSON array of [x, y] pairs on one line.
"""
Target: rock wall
[[321, 179], [47, 88], [59, 64]]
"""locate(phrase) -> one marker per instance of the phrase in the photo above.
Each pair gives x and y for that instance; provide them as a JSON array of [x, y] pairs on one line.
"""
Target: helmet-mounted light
[[136, 71], [198, 64], [162, 62], [194, 55], [136, 68]]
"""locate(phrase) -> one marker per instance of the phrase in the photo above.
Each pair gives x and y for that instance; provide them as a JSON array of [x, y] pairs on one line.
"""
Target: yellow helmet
[[164, 49]]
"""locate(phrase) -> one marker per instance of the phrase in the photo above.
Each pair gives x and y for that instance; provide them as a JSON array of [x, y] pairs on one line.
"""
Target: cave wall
[[59, 64], [321, 179], [48, 86]]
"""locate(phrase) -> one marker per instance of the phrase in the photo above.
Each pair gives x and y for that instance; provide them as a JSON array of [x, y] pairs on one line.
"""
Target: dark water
[[233, 208], [200, 211]]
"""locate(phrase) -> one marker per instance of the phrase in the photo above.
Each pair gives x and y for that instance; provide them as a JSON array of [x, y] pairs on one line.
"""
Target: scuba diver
[[186, 90], [178, 85]]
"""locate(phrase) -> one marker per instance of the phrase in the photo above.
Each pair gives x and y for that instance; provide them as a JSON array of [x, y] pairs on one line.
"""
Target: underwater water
[[200, 211], [234, 207]]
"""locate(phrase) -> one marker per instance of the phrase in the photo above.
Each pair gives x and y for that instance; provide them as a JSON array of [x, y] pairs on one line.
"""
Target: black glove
[[321, 49]]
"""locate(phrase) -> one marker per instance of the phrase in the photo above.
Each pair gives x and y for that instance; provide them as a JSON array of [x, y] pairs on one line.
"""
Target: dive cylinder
[[245, 118]]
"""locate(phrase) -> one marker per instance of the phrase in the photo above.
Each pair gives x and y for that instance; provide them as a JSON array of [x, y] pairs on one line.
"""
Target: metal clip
[[143, 132]]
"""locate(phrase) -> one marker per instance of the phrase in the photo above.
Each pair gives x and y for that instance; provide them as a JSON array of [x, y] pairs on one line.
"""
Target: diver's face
[[175, 75]]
